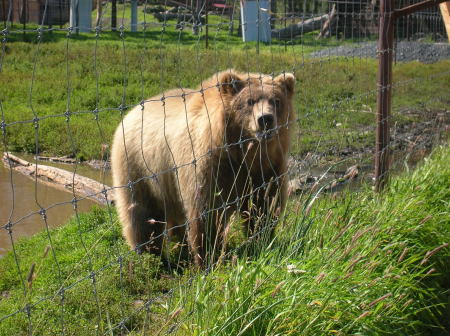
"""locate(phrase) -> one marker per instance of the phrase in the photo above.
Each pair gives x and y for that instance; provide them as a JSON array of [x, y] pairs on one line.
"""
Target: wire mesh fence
[[211, 151]]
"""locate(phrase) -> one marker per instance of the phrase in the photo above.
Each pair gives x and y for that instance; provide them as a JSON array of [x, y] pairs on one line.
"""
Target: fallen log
[[61, 179], [161, 17], [302, 27], [56, 159], [325, 31], [311, 183], [180, 17], [350, 174]]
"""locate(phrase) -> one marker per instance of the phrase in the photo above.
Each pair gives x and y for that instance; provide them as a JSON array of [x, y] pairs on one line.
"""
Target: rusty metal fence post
[[385, 53], [388, 17]]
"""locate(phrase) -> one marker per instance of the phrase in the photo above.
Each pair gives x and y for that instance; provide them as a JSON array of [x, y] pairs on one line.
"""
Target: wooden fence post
[[384, 83], [388, 16]]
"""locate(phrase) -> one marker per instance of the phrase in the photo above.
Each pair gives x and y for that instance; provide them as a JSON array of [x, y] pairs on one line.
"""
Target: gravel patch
[[404, 51]]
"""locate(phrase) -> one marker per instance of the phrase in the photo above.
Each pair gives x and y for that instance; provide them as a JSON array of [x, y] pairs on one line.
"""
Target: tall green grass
[[346, 264], [102, 280], [358, 264]]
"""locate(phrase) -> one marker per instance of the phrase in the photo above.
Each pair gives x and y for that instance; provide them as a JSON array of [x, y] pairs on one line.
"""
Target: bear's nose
[[265, 122]]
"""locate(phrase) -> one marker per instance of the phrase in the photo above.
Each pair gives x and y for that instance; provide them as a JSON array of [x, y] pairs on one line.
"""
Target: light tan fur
[[195, 156]]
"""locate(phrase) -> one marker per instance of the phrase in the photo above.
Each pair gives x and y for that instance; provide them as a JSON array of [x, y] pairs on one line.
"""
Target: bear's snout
[[266, 122]]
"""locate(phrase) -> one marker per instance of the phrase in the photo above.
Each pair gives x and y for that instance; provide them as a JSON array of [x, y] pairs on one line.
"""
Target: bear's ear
[[230, 83], [287, 82]]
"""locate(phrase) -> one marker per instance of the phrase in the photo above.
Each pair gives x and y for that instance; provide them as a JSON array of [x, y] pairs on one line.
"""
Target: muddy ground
[[410, 142]]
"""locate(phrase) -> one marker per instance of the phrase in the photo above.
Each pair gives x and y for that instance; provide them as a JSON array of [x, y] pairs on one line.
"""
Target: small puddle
[[21, 201]]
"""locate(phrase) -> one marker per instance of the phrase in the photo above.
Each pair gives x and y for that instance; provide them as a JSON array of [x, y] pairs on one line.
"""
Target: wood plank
[[445, 12]]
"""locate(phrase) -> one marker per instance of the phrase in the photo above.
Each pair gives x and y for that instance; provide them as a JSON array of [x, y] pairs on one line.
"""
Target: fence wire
[[65, 90]]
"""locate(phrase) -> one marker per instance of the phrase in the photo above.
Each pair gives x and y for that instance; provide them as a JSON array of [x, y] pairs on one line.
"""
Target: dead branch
[[326, 26], [305, 26]]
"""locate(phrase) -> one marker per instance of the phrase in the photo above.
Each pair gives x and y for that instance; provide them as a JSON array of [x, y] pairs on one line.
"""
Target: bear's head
[[259, 107], [258, 113]]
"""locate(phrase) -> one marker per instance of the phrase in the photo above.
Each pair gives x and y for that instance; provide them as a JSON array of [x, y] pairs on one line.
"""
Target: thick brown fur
[[186, 160]]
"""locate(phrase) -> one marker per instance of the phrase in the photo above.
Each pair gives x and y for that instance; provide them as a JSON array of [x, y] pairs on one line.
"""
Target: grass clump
[[83, 273], [358, 263]]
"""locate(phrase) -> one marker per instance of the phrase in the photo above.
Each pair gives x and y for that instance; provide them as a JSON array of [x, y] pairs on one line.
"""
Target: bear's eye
[[251, 102], [275, 103]]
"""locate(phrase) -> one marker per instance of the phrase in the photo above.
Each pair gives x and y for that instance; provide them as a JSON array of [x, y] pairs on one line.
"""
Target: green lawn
[[69, 93], [354, 264]]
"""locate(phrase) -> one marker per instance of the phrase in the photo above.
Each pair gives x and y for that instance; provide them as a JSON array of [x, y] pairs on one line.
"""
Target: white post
[[255, 16], [80, 15], [74, 13], [85, 15], [133, 15]]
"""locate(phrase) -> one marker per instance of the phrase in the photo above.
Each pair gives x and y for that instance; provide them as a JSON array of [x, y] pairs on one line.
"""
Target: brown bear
[[184, 161]]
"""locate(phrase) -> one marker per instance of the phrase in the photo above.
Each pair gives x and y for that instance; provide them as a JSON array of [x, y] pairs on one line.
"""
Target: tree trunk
[[113, 15], [60, 14], [326, 26], [293, 6], [273, 10], [99, 13], [300, 28]]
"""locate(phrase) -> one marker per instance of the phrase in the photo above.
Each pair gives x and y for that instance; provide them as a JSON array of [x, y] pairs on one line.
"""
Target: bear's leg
[[252, 210], [205, 235], [146, 229], [260, 214], [258, 226], [142, 220], [196, 237]]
